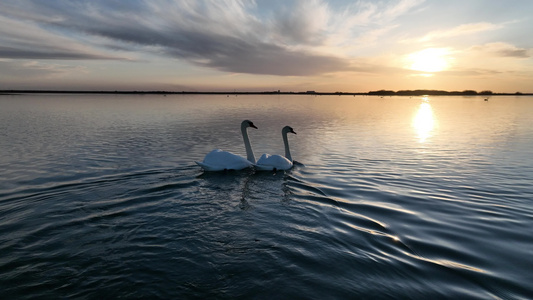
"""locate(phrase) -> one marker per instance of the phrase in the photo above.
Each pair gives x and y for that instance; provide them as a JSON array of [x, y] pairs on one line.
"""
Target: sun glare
[[424, 121], [429, 60]]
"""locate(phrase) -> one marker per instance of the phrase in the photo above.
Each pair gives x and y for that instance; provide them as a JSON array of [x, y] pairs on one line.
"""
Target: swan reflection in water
[[424, 121]]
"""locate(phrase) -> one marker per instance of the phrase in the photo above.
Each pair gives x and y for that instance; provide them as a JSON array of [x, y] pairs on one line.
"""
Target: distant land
[[371, 93]]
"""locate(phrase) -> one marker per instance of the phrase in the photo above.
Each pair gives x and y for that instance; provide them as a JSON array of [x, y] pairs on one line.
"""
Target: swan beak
[[292, 131], [253, 126]]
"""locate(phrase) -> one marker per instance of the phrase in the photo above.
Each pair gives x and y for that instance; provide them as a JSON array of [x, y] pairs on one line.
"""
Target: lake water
[[392, 198]]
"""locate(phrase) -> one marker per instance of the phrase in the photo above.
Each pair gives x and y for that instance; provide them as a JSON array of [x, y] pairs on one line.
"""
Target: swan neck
[[286, 143], [249, 152]]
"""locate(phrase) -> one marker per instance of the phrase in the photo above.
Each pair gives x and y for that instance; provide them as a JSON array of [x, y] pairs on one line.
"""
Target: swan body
[[218, 160], [269, 162]]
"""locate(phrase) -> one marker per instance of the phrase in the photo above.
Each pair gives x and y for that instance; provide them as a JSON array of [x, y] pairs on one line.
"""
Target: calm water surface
[[394, 197]]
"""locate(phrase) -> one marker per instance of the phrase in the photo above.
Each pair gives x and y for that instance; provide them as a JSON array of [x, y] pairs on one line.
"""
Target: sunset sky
[[326, 46]]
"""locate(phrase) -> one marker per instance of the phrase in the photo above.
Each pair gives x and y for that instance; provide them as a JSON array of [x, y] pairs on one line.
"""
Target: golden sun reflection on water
[[424, 121]]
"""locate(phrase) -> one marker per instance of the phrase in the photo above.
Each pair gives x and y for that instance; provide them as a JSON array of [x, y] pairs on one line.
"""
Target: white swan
[[218, 160], [269, 162]]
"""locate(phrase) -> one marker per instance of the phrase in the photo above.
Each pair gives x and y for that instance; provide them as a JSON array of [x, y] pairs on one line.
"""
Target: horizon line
[[417, 92]]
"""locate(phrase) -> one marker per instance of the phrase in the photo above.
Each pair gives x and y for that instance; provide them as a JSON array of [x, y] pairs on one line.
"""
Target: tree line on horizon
[[433, 93], [371, 93]]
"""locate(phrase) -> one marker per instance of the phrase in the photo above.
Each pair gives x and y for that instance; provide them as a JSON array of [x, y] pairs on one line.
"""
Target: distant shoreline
[[371, 93]]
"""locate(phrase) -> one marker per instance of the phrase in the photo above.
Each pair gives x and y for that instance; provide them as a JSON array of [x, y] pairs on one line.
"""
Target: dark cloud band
[[186, 32]]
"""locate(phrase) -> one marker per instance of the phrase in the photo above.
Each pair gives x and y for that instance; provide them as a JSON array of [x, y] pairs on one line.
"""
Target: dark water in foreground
[[421, 198]]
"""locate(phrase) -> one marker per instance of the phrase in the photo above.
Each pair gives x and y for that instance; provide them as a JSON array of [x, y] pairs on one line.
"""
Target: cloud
[[465, 29], [33, 69], [503, 50], [471, 72], [363, 23], [21, 40], [230, 36], [304, 23], [50, 53], [223, 35], [400, 8], [231, 54], [363, 13]]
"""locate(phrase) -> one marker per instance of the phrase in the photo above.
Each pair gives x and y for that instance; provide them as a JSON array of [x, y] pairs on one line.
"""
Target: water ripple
[[100, 198]]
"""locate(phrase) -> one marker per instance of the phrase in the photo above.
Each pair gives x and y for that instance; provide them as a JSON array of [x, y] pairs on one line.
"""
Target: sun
[[429, 60]]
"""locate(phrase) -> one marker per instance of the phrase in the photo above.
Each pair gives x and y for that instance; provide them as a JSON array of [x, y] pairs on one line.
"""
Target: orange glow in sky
[[293, 45]]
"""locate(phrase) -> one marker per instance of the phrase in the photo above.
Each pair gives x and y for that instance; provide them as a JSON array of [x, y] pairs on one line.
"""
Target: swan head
[[248, 123], [287, 129]]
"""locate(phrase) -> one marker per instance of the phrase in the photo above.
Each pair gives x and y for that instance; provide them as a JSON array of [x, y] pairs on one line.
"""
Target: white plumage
[[218, 160], [269, 162]]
